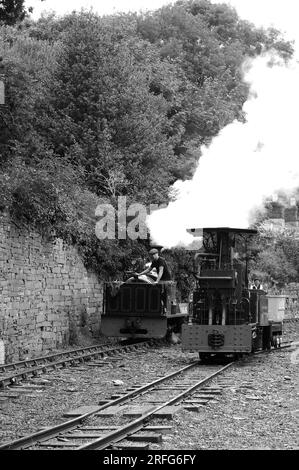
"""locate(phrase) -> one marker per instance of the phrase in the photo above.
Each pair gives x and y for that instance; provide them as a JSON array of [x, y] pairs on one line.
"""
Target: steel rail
[[286, 344], [28, 362], [50, 357], [131, 428], [23, 373], [45, 434], [121, 433], [135, 426]]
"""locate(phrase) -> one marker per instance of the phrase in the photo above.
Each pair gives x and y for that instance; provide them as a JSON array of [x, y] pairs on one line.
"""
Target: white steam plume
[[244, 163]]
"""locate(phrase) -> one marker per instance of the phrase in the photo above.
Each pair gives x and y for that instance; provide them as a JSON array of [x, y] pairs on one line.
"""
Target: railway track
[[16, 372], [90, 429], [131, 423]]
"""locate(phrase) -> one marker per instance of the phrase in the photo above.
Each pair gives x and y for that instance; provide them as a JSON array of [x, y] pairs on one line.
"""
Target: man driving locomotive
[[164, 275], [159, 264]]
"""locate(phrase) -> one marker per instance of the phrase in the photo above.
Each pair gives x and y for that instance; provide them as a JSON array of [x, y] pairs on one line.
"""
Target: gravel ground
[[258, 409], [42, 401]]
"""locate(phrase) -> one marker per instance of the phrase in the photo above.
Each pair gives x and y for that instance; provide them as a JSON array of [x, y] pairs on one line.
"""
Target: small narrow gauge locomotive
[[227, 317], [140, 309]]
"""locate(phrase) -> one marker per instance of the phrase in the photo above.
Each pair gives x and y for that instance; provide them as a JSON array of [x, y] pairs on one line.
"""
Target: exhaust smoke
[[245, 163]]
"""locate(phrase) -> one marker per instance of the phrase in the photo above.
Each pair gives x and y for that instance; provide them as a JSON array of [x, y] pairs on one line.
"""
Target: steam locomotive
[[227, 317], [224, 318]]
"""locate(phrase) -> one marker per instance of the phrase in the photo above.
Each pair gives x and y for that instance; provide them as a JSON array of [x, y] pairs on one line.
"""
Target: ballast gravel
[[258, 407]]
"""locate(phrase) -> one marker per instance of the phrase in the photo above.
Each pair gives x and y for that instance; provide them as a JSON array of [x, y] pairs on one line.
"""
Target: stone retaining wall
[[47, 297]]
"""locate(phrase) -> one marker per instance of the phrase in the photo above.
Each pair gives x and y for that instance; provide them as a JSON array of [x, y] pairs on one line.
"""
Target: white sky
[[280, 13]]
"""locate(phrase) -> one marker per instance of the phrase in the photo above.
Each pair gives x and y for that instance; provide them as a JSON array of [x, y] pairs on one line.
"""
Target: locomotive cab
[[221, 296], [227, 317]]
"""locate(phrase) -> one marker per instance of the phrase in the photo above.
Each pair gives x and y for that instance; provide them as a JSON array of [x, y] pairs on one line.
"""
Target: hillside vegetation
[[99, 107]]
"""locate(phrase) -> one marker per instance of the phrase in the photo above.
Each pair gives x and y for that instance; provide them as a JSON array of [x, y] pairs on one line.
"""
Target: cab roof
[[248, 231]]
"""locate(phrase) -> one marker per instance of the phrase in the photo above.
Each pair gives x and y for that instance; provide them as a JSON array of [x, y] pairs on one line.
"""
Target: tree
[[113, 100], [276, 254], [119, 105], [12, 11]]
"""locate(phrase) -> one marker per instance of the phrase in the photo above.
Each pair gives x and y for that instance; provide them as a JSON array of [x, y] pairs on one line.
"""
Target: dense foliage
[[13, 12], [275, 257], [115, 105]]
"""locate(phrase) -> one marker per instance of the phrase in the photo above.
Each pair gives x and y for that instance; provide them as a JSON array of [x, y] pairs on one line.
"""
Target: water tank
[[276, 307]]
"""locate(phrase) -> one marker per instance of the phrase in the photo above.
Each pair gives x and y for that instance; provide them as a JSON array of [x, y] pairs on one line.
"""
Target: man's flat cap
[[153, 251]]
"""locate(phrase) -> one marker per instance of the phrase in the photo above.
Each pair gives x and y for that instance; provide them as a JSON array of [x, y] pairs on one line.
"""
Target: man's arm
[[145, 271], [160, 274]]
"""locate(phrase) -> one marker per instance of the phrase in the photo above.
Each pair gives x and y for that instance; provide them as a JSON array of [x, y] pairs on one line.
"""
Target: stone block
[[38, 279], [91, 310]]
